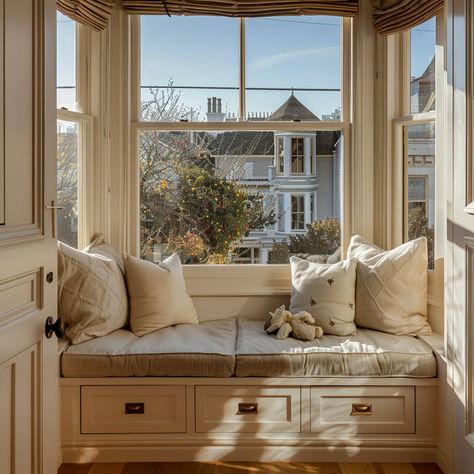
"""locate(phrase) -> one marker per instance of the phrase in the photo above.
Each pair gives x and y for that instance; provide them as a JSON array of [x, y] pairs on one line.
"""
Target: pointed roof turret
[[292, 109]]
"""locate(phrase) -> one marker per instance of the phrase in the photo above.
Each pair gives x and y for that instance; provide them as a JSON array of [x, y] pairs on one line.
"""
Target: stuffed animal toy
[[301, 325]]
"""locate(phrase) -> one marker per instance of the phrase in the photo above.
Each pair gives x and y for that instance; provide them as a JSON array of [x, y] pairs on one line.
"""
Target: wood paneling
[[19, 295], [248, 468]]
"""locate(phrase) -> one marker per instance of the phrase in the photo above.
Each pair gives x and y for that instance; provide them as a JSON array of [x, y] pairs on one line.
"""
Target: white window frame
[[303, 161], [136, 126], [397, 51], [302, 211]]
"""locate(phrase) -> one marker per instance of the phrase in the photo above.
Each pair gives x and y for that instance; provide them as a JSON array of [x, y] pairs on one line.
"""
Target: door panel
[[28, 361]]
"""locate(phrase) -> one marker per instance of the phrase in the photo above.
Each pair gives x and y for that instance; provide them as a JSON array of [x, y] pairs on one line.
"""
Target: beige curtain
[[392, 16], [93, 13], [243, 8]]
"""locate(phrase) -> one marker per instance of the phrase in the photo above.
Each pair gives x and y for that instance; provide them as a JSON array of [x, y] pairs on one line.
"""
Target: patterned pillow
[[392, 286], [92, 297], [327, 292], [99, 247]]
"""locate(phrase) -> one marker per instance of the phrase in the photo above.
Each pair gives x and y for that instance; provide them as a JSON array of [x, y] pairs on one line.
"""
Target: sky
[[281, 52]]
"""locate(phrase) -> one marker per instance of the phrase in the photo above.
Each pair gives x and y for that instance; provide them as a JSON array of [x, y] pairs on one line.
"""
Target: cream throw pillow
[[327, 292], [158, 296], [392, 286], [92, 298]]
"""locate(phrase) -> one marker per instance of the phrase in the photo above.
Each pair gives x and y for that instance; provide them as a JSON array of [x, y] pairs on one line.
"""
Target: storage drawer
[[133, 409], [247, 409], [362, 410]]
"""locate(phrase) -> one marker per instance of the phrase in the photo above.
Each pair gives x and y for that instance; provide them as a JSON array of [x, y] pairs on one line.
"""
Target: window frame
[[397, 51], [136, 126], [299, 211], [84, 123]]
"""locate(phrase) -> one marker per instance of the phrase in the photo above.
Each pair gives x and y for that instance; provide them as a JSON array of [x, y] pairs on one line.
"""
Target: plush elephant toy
[[301, 325]]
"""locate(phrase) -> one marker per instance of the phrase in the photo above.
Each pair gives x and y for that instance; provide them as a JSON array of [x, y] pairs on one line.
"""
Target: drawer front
[[133, 409], [336, 410], [247, 410]]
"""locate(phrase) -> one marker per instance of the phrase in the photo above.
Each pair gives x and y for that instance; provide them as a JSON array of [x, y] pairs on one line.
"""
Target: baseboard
[[248, 453], [442, 462]]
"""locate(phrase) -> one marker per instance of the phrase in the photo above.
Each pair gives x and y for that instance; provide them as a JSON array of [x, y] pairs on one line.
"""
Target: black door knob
[[56, 327]]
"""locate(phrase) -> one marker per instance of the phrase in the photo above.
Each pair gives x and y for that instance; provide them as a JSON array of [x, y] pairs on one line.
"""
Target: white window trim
[[396, 114], [136, 127], [85, 131]]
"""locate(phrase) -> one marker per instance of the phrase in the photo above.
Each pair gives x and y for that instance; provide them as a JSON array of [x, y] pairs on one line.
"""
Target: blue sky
[[283, 52]]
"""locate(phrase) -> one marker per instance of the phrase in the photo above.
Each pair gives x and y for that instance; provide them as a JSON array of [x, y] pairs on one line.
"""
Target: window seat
[[241, 348]]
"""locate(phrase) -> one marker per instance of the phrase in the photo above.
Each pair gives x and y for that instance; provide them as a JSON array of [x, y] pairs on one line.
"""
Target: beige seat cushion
[[392, 286], [203, 350], [327, 292], [158, 296], [367, 354], [92, 298]]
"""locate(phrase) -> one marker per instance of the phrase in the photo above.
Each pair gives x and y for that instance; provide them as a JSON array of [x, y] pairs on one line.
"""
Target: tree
[[187, 202], [323, 237], [418, 227], [66, 166]]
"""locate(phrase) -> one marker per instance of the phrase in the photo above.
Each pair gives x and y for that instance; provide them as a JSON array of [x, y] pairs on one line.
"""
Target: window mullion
[[242, 105]]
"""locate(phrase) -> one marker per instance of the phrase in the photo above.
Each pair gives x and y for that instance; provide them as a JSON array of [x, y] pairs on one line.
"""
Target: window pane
[[215, 197], [189, 68], [66, 62], [67, 182], [293, 67], [422, 75], [420, 198]]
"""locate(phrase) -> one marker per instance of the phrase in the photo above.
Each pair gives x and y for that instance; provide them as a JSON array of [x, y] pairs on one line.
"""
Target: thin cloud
[[280, 58]]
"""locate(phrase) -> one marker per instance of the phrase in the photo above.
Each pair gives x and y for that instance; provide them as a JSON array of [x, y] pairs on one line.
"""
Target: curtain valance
[[243, 8], [393, 16], [93, 13]]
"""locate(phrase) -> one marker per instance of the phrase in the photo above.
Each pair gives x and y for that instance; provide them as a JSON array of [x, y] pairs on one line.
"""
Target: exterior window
[[417, 194], [281, 155], [313, 155], [297, 213], [297, 155], [224, 194]]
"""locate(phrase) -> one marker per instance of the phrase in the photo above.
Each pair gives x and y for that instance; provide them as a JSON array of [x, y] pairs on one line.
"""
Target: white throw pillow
[[327, 292], [92, 297], [158, 296], [392, 286]]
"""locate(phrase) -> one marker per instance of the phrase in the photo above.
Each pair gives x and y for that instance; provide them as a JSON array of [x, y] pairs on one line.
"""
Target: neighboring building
[[421, 146], [298, 173]]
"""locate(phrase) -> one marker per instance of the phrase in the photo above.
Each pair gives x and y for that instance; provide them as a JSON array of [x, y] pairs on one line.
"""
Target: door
[[28, 361], [460, 236]]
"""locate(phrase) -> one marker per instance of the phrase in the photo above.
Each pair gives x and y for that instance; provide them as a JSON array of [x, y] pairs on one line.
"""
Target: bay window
[[228, 126]]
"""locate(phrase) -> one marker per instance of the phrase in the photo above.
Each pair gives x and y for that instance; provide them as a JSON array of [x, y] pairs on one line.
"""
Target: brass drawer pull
[[361, 409], [247, 409], [134, 408]]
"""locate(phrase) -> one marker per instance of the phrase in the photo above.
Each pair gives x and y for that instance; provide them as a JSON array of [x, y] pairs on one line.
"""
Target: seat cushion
[[369, 353], [194, 350]]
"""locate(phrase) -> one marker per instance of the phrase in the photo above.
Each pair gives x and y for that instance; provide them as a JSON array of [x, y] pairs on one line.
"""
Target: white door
[[28, 361]]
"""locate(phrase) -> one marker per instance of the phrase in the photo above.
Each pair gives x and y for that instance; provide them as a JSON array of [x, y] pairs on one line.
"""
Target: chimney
[[214, 105], [209, 105], [219, 105]]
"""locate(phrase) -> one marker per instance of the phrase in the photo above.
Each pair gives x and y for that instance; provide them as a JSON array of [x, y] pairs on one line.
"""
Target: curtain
[[93, 13], [392, 16], [243, 8]]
